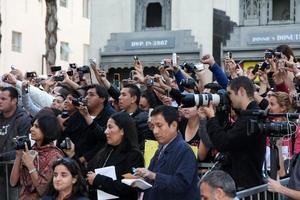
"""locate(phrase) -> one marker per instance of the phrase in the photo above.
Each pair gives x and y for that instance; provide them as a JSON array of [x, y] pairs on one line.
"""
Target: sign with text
[[150, 43], [278, 37]]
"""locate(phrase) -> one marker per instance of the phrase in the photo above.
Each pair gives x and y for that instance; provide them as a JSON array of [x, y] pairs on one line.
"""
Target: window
[[154, 15], [63, 3], [85, 8], [16, 41], [281, 10], [64, 51], [85, 53]]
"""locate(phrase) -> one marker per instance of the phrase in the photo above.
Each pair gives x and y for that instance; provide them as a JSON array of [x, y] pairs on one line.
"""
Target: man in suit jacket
[[173, 169]]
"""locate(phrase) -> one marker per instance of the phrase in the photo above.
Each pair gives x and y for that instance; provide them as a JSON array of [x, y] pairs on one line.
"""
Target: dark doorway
[[154, 15]]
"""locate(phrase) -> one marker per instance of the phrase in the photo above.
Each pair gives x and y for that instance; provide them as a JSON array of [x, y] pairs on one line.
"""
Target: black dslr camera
[[20, 142], [66, 143], [269, 53], [84, 69], [189, 83], [79, 101]]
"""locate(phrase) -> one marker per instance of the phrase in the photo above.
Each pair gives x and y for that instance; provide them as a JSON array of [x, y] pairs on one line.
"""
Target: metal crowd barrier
[[6, 191], [261, 192]]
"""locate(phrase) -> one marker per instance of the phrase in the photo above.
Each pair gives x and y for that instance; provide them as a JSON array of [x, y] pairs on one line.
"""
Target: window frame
[[64, 51], [16, 41]]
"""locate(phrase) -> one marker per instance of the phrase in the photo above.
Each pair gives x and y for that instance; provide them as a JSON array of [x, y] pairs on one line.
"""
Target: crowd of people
[[59, 129]]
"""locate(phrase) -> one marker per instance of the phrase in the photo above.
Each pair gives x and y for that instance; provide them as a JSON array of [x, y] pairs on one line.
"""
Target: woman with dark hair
[[32, 168], [120, 151], [67, 182], [286, 51]]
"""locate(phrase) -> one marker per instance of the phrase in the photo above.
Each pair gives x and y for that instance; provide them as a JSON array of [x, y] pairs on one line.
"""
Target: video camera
[[272, 129], [20, 142]]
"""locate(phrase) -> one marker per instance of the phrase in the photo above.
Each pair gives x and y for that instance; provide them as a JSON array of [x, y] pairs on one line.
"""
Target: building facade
[[264, 24], [23, 34], [152, 30]]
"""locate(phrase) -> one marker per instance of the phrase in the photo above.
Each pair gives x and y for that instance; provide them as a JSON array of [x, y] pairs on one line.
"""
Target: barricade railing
[[6, 191], [261, 192]]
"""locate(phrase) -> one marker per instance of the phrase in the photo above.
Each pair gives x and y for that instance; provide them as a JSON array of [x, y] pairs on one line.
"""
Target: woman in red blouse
[[32, 168]]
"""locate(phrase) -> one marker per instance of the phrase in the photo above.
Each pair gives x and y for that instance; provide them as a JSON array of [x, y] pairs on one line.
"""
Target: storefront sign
[[278, 37]]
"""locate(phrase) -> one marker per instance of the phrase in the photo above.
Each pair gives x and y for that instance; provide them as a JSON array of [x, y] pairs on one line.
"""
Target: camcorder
[[66, 143], [263, 125], [271, 129], [79, 101], [20, 142]]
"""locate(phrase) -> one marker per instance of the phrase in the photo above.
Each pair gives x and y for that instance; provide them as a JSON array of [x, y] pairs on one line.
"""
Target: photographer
[[14, 121], [85, 127], [32, 168], [245, 153]]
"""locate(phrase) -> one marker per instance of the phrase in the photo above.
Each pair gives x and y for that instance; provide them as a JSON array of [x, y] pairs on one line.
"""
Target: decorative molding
[[51, 33]]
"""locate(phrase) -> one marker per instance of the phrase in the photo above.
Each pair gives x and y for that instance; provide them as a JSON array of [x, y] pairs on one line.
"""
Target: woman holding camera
[[67, 181], [120, 151], [32, 168]]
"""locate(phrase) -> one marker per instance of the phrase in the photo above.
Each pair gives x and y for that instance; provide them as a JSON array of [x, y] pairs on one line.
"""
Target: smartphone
[[174, 59], [229, 55], [131, 75], [136, 60], [92, 61], [55, 68]]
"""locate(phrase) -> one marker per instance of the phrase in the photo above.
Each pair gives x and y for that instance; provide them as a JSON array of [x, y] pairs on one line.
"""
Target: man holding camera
[[86, 126], [245, 153], [14, 121]]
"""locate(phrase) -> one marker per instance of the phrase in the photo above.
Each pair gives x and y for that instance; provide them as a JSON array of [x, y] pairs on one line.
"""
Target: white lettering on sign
[[291, 37], [260, 39], [149, 43]]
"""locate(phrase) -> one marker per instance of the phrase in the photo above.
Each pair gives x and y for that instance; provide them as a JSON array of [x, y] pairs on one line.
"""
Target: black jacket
[[245, 153], [140, 118], [124, 161], [90, 139]]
